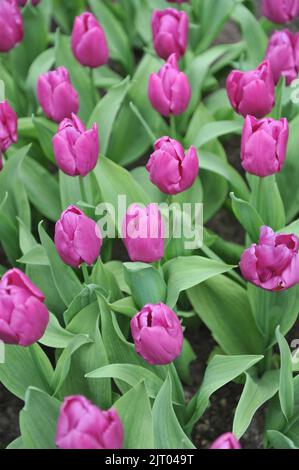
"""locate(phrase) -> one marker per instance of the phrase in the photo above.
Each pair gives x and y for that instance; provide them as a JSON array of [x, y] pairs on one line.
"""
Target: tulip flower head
[[11, 25], [76, 149], [283, 55], [280, 11], [77, 238], [226, 442], [170, 32], [89, 42], [23, 315], [56, 95], [157, 334], [170, 169], [252, 92], [143, 233], [273, 263], [82, 425], [169, 90], [8, 126], [264, 145]]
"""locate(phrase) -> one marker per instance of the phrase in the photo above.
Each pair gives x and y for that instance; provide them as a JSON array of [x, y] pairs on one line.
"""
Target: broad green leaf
[[42, 64], [213, 130], [279, 440], [35, 256], [55, 336], [286, 385], [247, 216], [45, 132], [146, 283], [16, 444], [182, 363], [70, 190], [83, 299]]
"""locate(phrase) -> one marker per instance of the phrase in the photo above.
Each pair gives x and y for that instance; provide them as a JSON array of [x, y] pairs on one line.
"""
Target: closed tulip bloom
[[273, 263], [264, 145], [280, 11], [82, 425], [143, 233], [252, 92], [76, 149], [23, 315], [8, 126], [226, 442], [77, 238], [157, 334], [170, 32], [283, 55], [89, 42], [170, 168], [169, 90], [11, 25], [56, 95]]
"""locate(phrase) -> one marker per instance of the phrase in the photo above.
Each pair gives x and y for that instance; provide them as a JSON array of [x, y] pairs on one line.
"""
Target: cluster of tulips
[[271, 264]]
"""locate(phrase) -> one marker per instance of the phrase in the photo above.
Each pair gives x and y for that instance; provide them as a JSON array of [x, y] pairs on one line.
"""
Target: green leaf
[[35, 256], [45, 132], [38, 420], [286, 385], [182, 363], [146, 283], [16, 444], [256, 392], [55, 336], [42, 64], [213, 130], [135, 412], [83, 299], [182, 273], [279, 440], [70, 190], [168, 433], [247, 216]]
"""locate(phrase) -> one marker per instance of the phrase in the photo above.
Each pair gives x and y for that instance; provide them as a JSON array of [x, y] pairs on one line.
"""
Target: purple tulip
[[76, 149], [77, 238], [169, 90], [273, 263], [226, 442], [89, 42], [283, 55], [170, 169], [8, 126], [170, 32], [252, 92], [280, 11], [157, 334], [56, 95], [23, 315], [264, 145], [143, 233], [82, 425], [11, 25]]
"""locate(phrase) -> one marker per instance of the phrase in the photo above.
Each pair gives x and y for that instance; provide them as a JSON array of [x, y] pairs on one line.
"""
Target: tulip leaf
[[16, 444], [45, 132], [35, 256], [42, 64], [286, 385], [55, 336], [247, 216], [213, 130], [280, 441]]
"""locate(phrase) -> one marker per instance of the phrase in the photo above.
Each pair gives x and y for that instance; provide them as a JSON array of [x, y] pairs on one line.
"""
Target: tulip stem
[[85, 273], [93, 88], [173, 126]]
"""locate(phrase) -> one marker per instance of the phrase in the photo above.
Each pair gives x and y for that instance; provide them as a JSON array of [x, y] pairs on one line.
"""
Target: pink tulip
[[82, 425], [23, 315], [56, 95], [170, 169], [22, 3], [77, 238], [89, 42], [170, 32], [252, 92], [226, 442], [273, 263], [143, 233], [76, 149], [8, 126], [280, 11], [264, 145], [283, 55], [157, 334], [169, 90], [11, 25]]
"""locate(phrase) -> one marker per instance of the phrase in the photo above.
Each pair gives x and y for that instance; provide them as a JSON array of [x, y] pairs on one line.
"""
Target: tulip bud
[[252, 92], [77, 238], [22, 3], [170, 32], [169, 90], [8, 126], [273, 263], [264, 145], [11, 25], [157, 334], [76, 149], [82, 425], [89, 43], [143, 233], [280, 11], [56, 95], [23, 315], [170, 169], [283, 55], [226, 442]]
